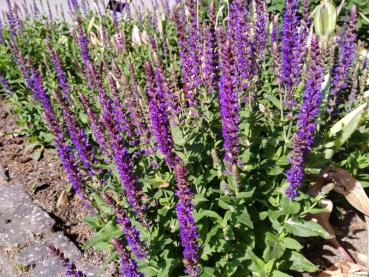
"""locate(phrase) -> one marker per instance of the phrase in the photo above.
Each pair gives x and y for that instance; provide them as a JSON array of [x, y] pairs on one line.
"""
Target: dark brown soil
[[351, 232], [44, 180]]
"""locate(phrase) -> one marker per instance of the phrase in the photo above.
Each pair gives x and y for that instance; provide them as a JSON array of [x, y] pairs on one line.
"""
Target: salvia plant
[[192, 133]]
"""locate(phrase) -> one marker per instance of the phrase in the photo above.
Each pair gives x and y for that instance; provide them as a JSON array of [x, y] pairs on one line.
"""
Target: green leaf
[[95, 222], [301, 264], [110, 230], [245, 219], [277, 273], [346, 126], [289, 207], [103, 246], [291, 243], [274, 249], [257, 264], [207, 213], [177, 135], [304, 228]]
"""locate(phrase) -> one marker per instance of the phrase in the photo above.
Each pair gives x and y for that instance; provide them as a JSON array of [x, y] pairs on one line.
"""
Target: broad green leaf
[[207, 213], [304, 228], [257, 264], [177, 135], [274, 249], [277, 273], [301, 264], [347, 126], [245, 218], [110, 230], [291, 243]]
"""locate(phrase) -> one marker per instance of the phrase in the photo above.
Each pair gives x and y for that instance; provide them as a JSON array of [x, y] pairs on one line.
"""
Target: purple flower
[[289, 61], [130, 232], [242, 49], [187, 225], [12, 21], [158, 115], [127, 266], [229, 106], [96, 127], [260, 27], [62, 79], [71, 269], [119, 113], [210, 72], [303, 139], [4, 83], [64, 151], [83, 43], [1, 32], [340, 71], [191, 63], [122, 157]]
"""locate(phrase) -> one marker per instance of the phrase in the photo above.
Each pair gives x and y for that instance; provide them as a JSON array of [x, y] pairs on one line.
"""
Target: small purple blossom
[[260, 27], [187, 225], [71, 269], [303, 139], [228, 101], [210, 72], [289, 61], [341, 69], [242, 48], [127, 266], [130, 232], [159, 118]]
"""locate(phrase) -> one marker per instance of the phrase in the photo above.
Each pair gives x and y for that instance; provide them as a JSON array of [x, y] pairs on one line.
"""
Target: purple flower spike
[[62, 79], [1, 32], [119, 114], [127, 266], [96, 127], [187, 225], [122, 157], [303, 139], [64, 151], [229, 106], [260, 27], [242, 49], [192, 63], [210, 72], [159, 118], [71, 269], [341, 69], [83, 43], [77, 134], [289, 61], [4, 83], [130, 232], [13, 24]]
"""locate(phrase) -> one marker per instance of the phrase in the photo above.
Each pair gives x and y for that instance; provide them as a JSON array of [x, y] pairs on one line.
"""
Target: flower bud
[[325, 19]]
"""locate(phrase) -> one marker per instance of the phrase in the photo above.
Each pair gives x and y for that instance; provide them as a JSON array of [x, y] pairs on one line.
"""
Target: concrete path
[[25, 232]]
